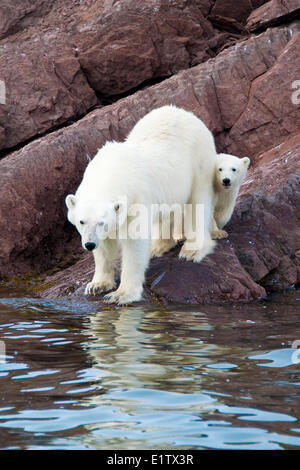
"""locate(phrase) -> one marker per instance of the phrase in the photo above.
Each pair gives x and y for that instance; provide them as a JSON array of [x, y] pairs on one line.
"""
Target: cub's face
[[94, 221], [230, 171]]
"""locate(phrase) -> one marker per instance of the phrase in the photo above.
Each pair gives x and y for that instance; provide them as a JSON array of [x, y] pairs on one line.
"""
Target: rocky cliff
[[78, 74]]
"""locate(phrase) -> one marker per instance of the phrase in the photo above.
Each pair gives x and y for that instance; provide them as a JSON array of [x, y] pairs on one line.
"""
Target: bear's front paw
[[94, 288], [122, 298], [219, 234]]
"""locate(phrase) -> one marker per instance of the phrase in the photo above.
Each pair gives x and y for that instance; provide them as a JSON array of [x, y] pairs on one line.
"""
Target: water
[[161, 378]]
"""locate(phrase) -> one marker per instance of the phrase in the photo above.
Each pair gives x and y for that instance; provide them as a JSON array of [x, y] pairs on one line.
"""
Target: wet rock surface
[[246, 95]]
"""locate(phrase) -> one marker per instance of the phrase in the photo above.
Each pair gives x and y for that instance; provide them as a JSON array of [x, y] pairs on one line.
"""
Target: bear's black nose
[[90, 246], [226, 182]]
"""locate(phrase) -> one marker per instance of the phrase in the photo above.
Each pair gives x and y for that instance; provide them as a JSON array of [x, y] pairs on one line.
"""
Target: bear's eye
[[101, 223], [233, 169], [220, 169], [81, 222]]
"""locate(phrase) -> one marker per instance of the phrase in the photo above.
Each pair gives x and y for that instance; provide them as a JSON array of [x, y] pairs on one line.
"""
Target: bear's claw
[[121, 298], [94, 288]]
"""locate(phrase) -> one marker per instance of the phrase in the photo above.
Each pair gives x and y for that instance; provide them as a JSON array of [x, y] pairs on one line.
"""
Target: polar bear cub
[[168, 158], [230, 172]]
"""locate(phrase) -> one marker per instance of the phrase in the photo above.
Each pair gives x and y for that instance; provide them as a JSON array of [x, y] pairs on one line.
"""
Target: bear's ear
[[246, 161], [70, 201]]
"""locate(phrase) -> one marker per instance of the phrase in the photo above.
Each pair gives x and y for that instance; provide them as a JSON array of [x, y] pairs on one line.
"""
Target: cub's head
[[230, 171], [95, 221]]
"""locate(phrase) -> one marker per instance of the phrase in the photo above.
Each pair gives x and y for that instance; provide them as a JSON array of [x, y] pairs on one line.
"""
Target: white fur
[[234, 169], [168, 158]]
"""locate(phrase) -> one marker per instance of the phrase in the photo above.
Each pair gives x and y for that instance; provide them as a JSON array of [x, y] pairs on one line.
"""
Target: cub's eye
[[81, 222], [220, 169], [100, 223], [233, 169]]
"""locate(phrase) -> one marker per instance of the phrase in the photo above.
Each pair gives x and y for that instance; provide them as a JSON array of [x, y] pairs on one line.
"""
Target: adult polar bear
[[168, 158]]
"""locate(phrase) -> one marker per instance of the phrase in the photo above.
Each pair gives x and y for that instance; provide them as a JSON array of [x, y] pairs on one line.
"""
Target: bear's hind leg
[[197, 224], [160, 245]]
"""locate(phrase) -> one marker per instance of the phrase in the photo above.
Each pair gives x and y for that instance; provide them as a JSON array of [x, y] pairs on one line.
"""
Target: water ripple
[[163, 378]]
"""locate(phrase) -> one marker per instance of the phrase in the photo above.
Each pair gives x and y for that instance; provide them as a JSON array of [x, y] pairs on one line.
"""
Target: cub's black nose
[[90, 246], [226, 182]]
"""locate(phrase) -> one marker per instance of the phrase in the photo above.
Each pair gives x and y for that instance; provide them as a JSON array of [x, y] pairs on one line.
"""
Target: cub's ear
[[70, 201], [246, 161]]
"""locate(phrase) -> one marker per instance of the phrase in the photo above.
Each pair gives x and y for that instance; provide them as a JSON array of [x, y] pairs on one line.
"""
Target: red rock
[[58, 88], [55, 57], [265, 228], [19, 14], [237, 10], [136, 41], [33, 184], [270, 113], [272, 13]]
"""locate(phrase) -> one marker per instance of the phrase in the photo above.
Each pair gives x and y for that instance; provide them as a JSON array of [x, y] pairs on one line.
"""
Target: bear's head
[[230, 171], [95, 220]]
